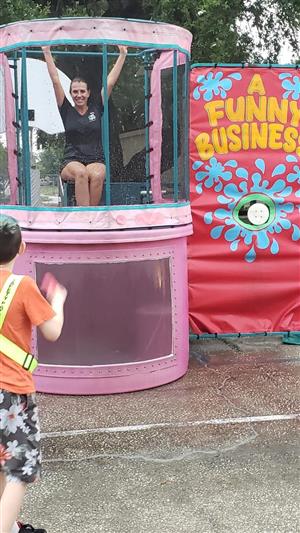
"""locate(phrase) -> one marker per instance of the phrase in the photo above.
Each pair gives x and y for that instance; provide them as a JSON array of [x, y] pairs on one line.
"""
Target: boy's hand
[[58, 296], [55, 292]]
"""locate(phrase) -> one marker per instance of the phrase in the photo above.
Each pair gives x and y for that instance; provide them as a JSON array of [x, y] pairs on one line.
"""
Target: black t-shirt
[[83, 132]]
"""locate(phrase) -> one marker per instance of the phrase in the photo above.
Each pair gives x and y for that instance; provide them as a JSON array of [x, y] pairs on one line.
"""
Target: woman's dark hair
[[10, 239], [79, 79]]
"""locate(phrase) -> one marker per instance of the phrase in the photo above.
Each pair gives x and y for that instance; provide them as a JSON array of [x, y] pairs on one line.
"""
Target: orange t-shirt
[[28, 308]]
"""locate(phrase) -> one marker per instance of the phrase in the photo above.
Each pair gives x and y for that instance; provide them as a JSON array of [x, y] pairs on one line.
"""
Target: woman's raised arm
[[115, 72], [53, 72]]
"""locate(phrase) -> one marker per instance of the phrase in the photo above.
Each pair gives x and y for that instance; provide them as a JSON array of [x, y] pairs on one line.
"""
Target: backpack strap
[[7, 294], [8, 347]]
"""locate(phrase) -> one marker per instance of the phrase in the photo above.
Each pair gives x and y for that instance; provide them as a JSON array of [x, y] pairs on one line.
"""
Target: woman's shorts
[[84, 162], [20, 455]]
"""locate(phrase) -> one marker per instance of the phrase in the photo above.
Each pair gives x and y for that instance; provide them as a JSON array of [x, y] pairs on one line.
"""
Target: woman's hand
[[46, 49], [122, 50]]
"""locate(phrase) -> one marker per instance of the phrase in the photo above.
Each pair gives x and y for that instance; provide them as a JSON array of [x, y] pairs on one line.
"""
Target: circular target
[[258, 214], [255, 211]]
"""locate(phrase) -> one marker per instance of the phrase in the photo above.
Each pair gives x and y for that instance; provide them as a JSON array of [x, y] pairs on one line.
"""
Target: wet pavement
[[216, 451]]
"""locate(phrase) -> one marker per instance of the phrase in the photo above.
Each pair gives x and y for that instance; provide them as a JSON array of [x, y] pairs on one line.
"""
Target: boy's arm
[[51, 329]]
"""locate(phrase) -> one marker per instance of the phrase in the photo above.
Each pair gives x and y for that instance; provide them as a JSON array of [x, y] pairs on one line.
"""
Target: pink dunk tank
[[123, 261]]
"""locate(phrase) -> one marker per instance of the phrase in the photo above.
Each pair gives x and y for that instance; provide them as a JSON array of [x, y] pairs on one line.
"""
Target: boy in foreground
[[21, 307]]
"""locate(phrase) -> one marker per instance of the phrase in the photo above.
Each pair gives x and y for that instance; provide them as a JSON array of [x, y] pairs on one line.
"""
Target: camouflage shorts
[[20, 455]]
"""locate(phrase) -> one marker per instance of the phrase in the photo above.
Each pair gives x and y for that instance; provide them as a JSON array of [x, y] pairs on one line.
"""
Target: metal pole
[[186, 114], [25, 131], [175, 127], [106, 127], [21, 191], [147, 132]]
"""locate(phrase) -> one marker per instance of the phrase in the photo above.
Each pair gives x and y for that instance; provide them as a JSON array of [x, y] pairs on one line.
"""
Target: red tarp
[[244, 256]]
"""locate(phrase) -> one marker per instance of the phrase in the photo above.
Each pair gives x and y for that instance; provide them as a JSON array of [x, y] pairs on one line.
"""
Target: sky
[[286, 54]]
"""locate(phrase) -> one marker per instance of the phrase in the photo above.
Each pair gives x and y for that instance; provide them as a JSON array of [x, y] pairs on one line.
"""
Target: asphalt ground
[[216, 451]]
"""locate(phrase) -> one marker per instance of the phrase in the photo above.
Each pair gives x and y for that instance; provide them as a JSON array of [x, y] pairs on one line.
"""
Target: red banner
[[244, 256]]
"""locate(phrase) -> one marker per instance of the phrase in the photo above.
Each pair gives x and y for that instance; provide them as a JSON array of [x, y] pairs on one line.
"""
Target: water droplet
[[274, 247], [251, 255], [208, 218], [222, 213], [279, 169], [235, 76], [278, 186], [262, 240], [291, 159], [197, 164], [232, 233], [231, 163], [242, 173], [260, 164], [217, 232], [219, 187], [234, 245], [223, 200], [296, 233]]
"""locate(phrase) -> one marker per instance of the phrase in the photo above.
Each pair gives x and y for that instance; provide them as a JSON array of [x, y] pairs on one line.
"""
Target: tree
[[67, 8], [13, 10], [4, 180], [51, 156], [3, 162], [223, 30], [233, 30]]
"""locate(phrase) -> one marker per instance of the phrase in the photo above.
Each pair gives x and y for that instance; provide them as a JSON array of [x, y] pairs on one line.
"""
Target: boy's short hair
[[10, 239]]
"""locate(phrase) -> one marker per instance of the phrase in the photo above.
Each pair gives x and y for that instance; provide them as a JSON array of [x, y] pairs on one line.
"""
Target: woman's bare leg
[[77, 172], [96, 174]]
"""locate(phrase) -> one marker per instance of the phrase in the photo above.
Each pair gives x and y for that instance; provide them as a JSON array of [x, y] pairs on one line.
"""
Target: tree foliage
[[3, 162], [3, 173], [223, 30], [14, 10], [52, 153], [233, 30]]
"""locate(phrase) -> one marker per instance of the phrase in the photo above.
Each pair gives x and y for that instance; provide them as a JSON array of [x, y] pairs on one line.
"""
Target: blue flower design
[[234, 230], [292, 87], [211, 85], [294, 177], [213, 174]]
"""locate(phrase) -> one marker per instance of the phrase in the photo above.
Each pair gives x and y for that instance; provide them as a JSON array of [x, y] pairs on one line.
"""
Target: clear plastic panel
[[168, 160], [183, 128], [115, 313], [126, 133]]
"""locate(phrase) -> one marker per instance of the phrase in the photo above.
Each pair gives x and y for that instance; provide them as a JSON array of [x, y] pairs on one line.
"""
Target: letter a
[[256, 85]]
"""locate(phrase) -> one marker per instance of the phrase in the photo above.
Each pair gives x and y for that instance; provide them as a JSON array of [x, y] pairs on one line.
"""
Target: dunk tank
[[123, 262]]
